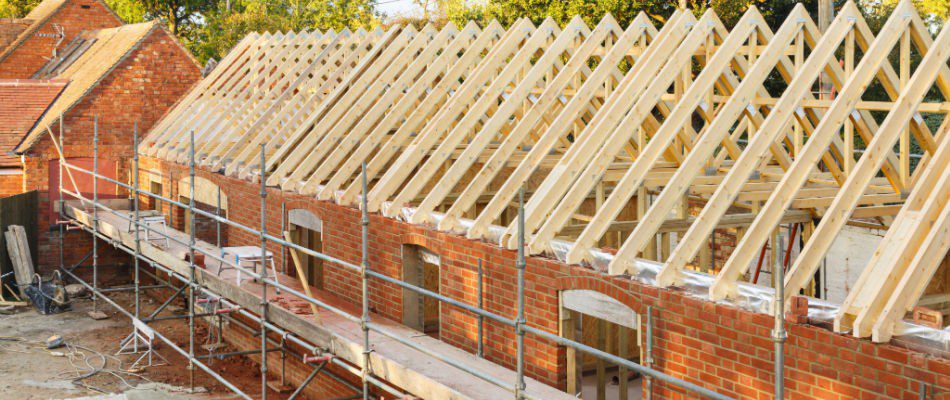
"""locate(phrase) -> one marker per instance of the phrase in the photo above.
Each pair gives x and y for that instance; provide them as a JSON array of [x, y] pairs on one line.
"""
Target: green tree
[[182, 16], [16, 8], [934, 12], [561, 11], [131, 11], [230, 21]]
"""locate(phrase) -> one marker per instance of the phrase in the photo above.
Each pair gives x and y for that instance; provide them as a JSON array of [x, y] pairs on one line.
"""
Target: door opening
[[420, 267], [306, 230], [206, 228], [312, 266], [604, 323], [151, 202]]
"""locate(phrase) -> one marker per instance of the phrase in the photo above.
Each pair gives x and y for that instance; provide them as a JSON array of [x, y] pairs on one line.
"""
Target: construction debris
[[97, 315], [19, 250], [54, 342], [75, 290], [49, 296]]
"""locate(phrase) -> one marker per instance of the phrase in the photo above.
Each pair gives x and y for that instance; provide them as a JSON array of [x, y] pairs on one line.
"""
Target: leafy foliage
[[227, 23], [561, 11], [16, 8], [209, 28], [130, 11], [935, 12]]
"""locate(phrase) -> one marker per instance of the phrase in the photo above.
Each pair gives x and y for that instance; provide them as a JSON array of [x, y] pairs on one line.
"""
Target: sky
[[397, 7]]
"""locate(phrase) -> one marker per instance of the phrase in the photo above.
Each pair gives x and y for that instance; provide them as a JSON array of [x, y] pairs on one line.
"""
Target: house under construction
[[482, 212]]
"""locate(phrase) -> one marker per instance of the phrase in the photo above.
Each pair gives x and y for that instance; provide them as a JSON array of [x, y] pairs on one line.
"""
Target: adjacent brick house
[[124, 76], [29, 43]]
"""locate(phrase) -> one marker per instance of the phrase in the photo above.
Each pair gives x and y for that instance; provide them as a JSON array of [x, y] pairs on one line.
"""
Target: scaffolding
[[319, 357]]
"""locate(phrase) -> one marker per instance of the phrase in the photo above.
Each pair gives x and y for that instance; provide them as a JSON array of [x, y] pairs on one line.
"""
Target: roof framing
[[611, 132]]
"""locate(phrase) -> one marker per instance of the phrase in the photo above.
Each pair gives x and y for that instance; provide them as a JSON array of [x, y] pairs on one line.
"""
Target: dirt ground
[[28, 370]]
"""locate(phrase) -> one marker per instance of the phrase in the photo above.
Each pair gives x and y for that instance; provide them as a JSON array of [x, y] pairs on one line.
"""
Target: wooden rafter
[[611, 131]]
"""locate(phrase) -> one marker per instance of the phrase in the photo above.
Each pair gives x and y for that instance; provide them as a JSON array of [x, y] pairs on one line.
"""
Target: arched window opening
[[209, 198]]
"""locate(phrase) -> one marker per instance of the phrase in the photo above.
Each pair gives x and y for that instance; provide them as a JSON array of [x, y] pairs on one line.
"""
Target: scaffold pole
[[364, 269], [263, 262]]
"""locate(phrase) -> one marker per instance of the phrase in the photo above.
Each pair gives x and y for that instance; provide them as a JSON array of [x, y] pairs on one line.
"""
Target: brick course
[[11, 183], [11, 28]]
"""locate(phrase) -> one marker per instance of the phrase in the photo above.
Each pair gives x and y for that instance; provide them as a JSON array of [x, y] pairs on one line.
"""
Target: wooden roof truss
[[612, 132]]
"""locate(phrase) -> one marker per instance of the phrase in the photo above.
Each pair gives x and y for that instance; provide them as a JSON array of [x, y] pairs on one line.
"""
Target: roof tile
[[22, 103]]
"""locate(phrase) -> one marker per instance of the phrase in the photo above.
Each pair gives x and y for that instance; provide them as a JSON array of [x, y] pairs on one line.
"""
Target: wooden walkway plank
[[19, 250]]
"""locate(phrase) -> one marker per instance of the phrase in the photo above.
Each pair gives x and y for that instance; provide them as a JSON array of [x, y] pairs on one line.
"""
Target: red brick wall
[[33, 53], [295, 371], [140, 89], [10, 28], [11, 183], [718, 346], [341, 239], [729, 350]]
